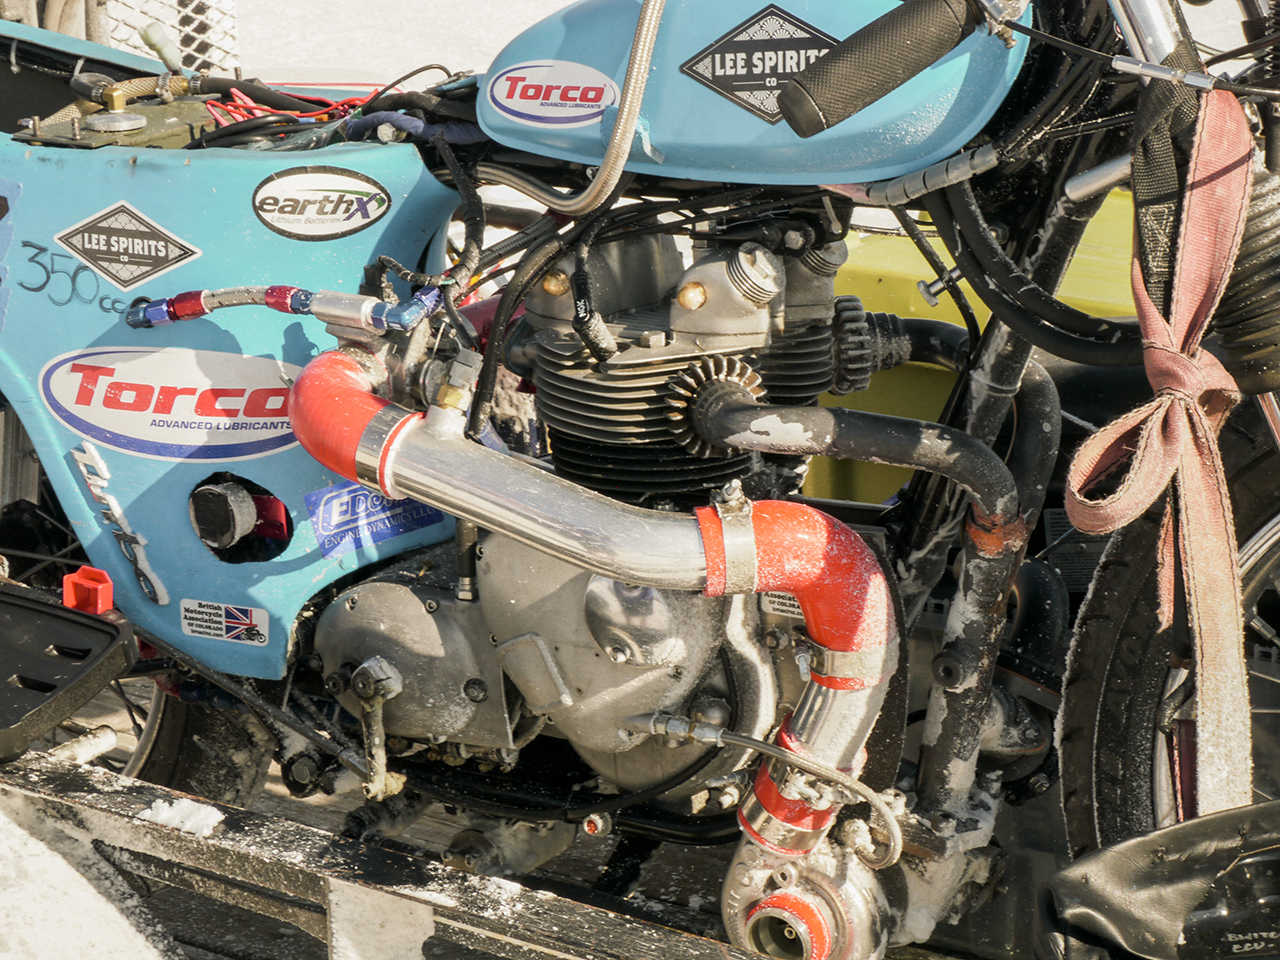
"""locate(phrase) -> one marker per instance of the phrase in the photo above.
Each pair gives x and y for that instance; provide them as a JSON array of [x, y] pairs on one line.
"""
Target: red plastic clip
[[88, 590]]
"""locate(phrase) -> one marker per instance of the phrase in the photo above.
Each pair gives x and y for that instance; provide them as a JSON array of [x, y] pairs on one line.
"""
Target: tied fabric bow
[[1173, 438]]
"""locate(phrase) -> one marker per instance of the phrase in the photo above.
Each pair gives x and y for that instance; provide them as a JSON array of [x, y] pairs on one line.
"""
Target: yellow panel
[[884, 270]]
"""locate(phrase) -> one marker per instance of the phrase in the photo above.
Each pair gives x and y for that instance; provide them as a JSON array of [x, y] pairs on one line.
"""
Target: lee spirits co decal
[[750, 64], [125, 247], [319, 203], [220, 621], [553, 93], [348, 516], [172, 403]]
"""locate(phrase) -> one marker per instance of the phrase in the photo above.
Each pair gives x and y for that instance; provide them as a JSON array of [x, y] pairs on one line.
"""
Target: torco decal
[[220, 621], [172, 404], [553, 93], [125, 247], [319, 203], [750, 63], [96, 476]]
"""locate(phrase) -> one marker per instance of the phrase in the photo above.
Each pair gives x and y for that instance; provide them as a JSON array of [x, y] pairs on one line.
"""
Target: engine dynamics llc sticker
[[347, 516], [221, 621], [319, 203], [172, 403], [553, 93]]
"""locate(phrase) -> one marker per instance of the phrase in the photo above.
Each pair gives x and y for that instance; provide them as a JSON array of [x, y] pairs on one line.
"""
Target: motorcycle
[[518, 526]]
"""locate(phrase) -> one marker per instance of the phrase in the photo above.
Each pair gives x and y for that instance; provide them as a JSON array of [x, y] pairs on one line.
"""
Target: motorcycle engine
[[543, 646]]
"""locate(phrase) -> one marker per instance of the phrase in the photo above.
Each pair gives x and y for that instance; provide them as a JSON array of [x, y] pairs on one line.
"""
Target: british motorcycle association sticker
[[751, 63], [125, 247]]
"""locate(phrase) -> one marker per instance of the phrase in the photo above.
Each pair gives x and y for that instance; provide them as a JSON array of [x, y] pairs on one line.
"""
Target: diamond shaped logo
[[125, 247], [752, 62]]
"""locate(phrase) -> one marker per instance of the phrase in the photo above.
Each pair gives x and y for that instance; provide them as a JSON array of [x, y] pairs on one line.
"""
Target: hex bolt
[[376, 678], [338, 682], [476, 690], [431, 606], [598, 825]]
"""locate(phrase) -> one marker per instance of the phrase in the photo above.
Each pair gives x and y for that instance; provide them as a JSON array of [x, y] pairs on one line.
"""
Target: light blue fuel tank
[[710, 109]]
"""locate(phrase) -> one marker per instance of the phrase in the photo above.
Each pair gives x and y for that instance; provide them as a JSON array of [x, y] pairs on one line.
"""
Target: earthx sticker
[[750, 64], [125, 247], [553, 93], [219, 621], [348, 516], [172, 403], [319, 203]]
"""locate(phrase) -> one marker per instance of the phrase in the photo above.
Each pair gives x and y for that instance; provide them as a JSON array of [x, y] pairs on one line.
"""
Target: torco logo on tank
[[556, 93], [172, 404]]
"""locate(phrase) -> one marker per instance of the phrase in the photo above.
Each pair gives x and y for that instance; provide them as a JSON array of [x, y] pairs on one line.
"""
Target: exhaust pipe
[[735, 547]]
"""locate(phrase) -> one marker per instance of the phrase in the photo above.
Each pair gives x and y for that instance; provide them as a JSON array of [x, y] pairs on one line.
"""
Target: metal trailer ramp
[[365, 902]]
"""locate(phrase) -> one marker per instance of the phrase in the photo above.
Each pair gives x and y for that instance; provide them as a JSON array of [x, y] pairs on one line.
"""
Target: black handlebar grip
[[876, 60]]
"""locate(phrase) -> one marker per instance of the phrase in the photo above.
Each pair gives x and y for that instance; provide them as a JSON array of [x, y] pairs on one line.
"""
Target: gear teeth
[[683, 390], [854, 355]]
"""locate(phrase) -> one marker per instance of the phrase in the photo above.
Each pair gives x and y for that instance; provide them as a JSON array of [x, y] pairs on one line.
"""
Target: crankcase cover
[[453, 687], [589, 653], [710, 107]]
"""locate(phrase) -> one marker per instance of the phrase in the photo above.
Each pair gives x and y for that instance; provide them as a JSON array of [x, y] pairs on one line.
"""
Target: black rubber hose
[[1035, 443], [426, 102], [935, 342], [875, 61], [222, 86], [726, 414], [1027, 325], [1018, 286]]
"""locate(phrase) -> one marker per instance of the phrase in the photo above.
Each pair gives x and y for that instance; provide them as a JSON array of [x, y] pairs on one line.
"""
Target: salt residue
[[59, 899], [185, 815]]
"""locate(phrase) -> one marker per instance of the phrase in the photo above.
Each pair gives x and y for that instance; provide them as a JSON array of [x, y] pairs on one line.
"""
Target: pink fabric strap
[[1173, 438]]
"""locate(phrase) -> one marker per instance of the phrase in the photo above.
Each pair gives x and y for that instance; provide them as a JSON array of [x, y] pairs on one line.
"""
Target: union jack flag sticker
[[240, 625]]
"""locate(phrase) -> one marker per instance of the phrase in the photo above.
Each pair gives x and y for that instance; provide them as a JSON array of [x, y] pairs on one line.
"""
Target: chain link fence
[[204, 31]]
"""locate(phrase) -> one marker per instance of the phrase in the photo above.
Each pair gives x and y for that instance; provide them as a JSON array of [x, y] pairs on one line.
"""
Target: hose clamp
[[734, 509], [871, 665], [377, 445]]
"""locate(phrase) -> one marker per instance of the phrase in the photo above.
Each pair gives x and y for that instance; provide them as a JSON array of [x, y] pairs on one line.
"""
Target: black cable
[[1020, 288], [408, 76], [277, 123], [912, 230], [267, 97], [1026, 324], [1270, 40], [1064, 95], [472, 214], [1090, 126], [1238, 89], [533, 265]]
